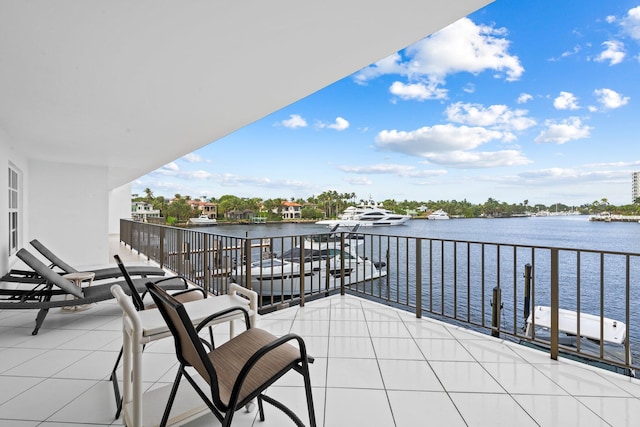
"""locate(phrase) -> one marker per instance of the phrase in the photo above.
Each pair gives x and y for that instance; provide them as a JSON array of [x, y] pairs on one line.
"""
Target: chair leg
[[260, 407], [307, 389], [116, 386], [288, 412], [40, 319], [172, 396]]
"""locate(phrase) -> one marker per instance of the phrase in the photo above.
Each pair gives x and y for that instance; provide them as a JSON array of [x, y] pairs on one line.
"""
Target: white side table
[[78, 278]]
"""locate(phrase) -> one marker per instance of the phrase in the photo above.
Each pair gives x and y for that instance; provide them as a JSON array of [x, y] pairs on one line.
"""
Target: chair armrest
[[252, 296], [222, 313], [194, 289], [164, 279]]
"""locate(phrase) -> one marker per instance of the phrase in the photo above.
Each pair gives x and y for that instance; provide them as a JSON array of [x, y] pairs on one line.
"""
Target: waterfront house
[[207, 208], [291, 210], [142, 211]]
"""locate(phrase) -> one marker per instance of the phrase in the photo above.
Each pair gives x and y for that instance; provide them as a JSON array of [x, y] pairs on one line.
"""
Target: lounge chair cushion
[[50, 275]]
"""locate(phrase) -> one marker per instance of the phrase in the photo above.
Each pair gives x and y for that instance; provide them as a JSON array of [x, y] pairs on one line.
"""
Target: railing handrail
[[424, 275]]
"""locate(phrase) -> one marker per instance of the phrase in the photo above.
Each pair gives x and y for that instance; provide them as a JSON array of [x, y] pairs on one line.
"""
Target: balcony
[[375, 365]]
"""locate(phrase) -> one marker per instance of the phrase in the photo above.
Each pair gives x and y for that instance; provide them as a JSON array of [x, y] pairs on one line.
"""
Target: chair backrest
[[49, 275], [189, 349], [55, 261], [135, 296]]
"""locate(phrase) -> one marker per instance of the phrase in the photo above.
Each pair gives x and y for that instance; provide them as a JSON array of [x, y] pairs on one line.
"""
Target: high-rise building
[[635, 186]]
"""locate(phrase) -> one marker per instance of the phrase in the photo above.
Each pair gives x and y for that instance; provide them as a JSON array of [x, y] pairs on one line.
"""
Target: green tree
[[179, 208]]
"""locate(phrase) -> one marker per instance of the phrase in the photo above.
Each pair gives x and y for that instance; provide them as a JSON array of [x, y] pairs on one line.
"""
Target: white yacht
[[365, 215], [439, 214]]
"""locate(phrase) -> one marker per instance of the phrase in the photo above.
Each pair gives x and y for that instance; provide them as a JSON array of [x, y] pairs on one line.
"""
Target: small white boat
[[366, 215], [202, 220], [613, 337], [439, 214]]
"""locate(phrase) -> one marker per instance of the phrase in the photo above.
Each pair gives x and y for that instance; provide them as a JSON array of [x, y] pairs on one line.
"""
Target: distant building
[[140, 211], [207, 208], [291, 210], [635, 186]]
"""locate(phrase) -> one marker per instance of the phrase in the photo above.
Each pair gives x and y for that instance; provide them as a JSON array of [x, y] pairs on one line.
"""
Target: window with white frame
[[14, 210]]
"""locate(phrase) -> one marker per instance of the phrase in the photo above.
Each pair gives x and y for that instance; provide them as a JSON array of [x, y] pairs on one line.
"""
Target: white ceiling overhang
[[132, 85]]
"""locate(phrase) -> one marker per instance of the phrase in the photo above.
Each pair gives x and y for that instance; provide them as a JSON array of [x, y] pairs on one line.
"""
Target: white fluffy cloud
[[383, 168], [610, 99], [524, 98], [170, 169], [493, 116], [566, 101], [339, 124], [464, 47], [418, 91], [393, 169], [454, 146], [433, 139], [474, 159], [631, 23], [461, 47], [614, 52], [564, 131], [192, 158], [294, 121]]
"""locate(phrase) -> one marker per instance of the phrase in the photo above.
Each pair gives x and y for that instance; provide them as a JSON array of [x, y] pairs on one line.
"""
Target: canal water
[[575, 231], [569, 232]]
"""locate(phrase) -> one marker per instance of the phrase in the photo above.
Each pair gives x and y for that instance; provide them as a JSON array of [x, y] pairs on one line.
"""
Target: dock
[[615, 218]]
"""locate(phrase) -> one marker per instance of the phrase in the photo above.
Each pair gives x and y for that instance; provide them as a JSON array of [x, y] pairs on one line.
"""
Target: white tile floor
[[375, 366]]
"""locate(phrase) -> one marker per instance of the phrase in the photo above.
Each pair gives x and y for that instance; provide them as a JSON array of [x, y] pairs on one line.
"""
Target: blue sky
[[534, 99]]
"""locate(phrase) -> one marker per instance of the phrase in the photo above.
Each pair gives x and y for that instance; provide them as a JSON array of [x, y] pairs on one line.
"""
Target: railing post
[[342, 290], [205, 264], [418, 278], [148, 250], [496, 306], [302, 289], [179, 250], [162, 252], [554, 303], [247, 262], [527, 291]]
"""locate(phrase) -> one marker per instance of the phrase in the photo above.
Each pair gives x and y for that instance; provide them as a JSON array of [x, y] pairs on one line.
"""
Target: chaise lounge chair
[[26, 276], [51, 287]]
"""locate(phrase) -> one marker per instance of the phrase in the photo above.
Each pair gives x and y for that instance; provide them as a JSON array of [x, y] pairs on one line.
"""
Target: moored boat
[[588, 341], [320, 265], [439, 214], [202, 219], [367, 215]]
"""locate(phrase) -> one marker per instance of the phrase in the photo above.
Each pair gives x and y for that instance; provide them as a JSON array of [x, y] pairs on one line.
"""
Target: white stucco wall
[[119, 207], [70, 210]]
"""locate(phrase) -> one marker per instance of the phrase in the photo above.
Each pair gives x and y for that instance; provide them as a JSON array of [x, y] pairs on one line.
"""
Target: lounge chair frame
[[30, 276], [46, 293]]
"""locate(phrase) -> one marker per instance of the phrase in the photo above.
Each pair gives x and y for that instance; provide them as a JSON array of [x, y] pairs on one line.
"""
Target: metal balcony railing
[[488, 287]]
